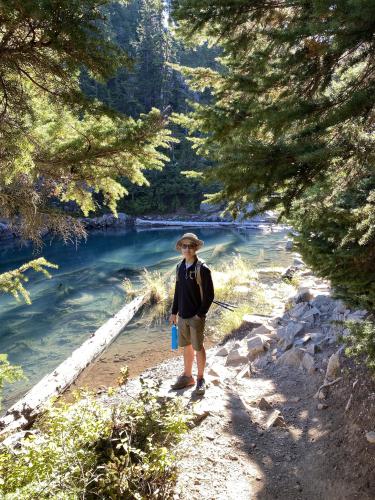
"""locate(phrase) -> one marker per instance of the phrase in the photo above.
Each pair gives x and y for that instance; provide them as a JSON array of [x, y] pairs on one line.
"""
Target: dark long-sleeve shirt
[[187, 300]]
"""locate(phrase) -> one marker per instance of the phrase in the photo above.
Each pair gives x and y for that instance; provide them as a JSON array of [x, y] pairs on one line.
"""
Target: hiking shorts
[[191, 331]]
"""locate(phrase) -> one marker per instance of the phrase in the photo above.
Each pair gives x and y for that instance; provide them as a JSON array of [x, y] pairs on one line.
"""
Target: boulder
[[298, 263], [287, 333], [311, 348], [256, 345], [292, 357], [236, 357], [261, 330], [223, 351], [311, 316], [254, 320], [333, 367], [357, 316], [307, 363], [370, 436], [298, 310]]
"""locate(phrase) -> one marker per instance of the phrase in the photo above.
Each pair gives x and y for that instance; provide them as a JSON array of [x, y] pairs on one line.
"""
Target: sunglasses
[[188, 245]]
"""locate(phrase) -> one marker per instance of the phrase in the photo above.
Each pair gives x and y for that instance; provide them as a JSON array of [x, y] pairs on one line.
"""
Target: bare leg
[[188, 360], [201, 361]]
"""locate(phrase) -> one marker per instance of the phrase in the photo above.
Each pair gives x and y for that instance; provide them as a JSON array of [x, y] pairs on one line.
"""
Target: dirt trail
[[317, 454]]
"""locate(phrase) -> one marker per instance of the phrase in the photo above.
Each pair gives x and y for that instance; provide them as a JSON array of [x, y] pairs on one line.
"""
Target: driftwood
[[326, 384], [255, 225], [23, 413]]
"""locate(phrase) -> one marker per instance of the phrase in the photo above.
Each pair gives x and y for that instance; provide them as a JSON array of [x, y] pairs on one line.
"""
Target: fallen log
[[181, 223], [23, 413]]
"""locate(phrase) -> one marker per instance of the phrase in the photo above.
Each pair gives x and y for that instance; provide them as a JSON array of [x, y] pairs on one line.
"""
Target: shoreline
[[123, 220]]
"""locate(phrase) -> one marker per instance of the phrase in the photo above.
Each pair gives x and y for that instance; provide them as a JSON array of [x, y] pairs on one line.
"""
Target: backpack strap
[[178, 268], [199, 276]]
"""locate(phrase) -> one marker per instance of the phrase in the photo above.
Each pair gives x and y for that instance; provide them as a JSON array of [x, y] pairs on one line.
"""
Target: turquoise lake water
[[86, 289]]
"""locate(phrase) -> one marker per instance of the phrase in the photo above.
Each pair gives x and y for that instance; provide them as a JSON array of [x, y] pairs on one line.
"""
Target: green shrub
[[94, 450], [361, 341], [8, 373]]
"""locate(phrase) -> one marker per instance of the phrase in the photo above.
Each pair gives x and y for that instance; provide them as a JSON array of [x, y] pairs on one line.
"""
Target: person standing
[[193, 296]]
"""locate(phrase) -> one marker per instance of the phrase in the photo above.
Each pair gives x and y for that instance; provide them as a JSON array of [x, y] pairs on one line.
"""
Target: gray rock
[[264, 405], [311, 348], [223, 351], [298, 310], [307, 363], [293, 357], [357, 316], [275, 419], [298, 263], [254, 320], [261, 330], [256, 345], [333, 367], [370, 436], [340, 307], [311, 316], [236, 357], [288, 333]]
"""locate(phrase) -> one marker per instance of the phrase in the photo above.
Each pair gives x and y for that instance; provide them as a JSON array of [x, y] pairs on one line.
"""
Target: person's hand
[[173, 319]]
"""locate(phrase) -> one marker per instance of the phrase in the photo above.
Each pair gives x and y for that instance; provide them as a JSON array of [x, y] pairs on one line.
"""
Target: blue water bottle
[[174, 337]]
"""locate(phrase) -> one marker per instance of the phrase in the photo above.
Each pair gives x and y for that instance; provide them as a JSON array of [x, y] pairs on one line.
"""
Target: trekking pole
[[223, 305]]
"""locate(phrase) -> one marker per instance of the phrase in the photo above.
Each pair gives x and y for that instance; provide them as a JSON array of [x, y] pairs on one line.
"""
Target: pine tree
[[291, 125], [56, 144]]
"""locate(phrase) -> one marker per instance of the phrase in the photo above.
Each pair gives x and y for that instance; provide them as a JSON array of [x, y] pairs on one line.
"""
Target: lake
[[87, 288]]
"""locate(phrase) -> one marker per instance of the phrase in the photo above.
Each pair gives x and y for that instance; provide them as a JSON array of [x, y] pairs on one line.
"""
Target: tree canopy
[[56, 143], [291, 125]]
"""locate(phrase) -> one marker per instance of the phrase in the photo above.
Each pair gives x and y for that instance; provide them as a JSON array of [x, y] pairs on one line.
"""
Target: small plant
[[161, 293], [8, 373], [360, 342], [295, 280], [124, 375], [232, 320], [155, 283], [128, 287], [91, 449]]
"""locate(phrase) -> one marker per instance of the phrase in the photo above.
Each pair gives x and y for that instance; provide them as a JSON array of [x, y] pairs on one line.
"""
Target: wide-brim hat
[[192, 237]]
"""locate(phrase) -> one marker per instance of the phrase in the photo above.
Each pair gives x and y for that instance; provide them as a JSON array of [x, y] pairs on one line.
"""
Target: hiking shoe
[[182, 382], [201, 387]]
